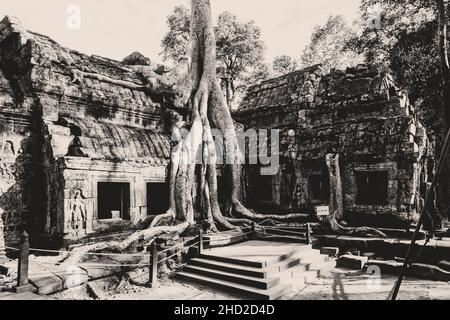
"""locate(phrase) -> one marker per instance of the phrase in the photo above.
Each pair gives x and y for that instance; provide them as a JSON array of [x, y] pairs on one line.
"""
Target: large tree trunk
[[336, 199], [193, 174], [337, 203]]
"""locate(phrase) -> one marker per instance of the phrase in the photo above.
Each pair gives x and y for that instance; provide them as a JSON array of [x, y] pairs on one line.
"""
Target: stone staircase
[[261, 280], [284, 234]]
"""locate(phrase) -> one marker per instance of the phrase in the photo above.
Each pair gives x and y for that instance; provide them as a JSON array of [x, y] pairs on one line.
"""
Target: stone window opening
[[113, 201], [157, 198], [319, 189], [372, 188]]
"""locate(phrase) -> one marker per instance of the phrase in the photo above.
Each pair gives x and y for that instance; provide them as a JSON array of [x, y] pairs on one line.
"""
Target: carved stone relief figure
[[78, 210]]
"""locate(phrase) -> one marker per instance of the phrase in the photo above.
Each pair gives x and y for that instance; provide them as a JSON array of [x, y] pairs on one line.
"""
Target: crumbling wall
[[359, 115], [74, 120], [16, 131]]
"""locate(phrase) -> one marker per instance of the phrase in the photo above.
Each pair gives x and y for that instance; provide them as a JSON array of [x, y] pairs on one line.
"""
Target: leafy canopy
[[328, 45]]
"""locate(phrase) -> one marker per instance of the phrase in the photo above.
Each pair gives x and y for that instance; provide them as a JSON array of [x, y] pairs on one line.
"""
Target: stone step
[[260, 294], [315, 259], [230, 268], [307, 272], [254, 264], [224, 239], [281, 238], [286, 232], [303, 254], [257, 283], [281, 266]]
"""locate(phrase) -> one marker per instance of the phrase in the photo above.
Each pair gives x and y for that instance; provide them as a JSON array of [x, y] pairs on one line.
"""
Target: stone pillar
[[23, 264]]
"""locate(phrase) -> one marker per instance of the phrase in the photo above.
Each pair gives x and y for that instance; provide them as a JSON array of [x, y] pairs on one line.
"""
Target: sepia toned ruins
[[85, 150], [82, 142], [219, 174], [359, 115]]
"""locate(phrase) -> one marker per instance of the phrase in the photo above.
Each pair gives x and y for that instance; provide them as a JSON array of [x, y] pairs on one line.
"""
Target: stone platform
[[262, 270], [255, 251]]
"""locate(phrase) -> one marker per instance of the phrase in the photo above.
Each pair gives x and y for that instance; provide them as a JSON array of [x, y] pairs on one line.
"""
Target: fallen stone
[[352, 262], [330, 251], [47, 283], [136, 59]]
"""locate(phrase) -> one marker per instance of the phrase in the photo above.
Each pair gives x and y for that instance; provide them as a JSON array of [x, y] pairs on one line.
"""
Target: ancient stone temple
[[84, 153], [359, 115], [82, 149]]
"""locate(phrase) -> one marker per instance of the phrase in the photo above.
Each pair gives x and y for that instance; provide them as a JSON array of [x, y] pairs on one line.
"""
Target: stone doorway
[[157, 198]]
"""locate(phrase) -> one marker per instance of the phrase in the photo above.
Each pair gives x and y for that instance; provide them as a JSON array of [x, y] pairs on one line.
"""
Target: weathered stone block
[[47, 283], [330, 251], [352, 262]]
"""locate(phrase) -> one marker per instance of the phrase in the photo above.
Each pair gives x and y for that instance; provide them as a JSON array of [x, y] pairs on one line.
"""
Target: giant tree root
[[121, 246], [354, 231], [244, 212]]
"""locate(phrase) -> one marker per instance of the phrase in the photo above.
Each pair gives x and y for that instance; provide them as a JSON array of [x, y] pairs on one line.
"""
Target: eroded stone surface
[[352, 262], [359, 114], [67, 122]]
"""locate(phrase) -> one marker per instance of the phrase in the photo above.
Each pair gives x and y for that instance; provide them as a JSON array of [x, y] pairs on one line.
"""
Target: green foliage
[[328, 45], [284, 64]]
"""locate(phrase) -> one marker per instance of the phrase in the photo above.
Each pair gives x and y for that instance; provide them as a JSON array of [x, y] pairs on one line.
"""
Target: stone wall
[[68, 121], [359, 114], [16, 127]]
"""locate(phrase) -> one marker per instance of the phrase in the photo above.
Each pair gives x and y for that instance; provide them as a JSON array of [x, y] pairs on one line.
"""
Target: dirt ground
[[338, 284]]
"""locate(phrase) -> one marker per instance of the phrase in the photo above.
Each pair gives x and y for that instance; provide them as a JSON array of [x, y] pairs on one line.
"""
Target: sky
[[116, 28]]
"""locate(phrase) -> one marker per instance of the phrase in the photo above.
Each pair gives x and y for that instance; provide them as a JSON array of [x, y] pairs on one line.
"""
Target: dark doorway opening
[[372, 187], [113, 201], [263, 188], [319, 189], [157, 198]]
